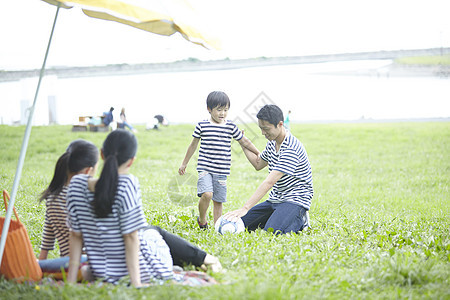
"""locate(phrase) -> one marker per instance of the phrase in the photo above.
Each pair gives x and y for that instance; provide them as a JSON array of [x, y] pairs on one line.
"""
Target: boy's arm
[[247, 144], [190, 151], [252, 153], [255, 159]]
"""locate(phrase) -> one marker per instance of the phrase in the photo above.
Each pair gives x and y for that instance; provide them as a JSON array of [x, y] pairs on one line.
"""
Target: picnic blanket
[[193, 278], [54, 271]]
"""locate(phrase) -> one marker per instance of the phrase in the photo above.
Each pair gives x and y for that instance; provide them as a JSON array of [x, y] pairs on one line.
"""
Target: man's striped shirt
[[214, 155], [103, 237], [295, 185]]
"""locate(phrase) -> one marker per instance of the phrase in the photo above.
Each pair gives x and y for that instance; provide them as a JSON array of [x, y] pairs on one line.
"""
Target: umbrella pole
[[23, 150]]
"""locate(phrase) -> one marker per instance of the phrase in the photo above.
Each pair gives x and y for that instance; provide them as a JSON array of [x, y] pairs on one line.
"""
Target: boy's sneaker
[[202, 226]]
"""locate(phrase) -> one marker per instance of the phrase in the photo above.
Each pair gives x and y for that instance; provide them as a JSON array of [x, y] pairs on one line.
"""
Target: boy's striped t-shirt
[[296, 184], [214, 155], [103, 237]]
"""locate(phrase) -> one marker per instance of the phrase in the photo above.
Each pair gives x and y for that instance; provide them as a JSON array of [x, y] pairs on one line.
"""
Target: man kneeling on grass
[[290, 179]]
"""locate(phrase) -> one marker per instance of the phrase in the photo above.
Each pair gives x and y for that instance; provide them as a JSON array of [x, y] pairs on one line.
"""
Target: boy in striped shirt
[[214, 158], [290, 179]]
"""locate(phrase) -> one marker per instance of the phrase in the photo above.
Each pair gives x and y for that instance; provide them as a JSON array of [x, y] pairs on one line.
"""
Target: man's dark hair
[[217, 99], [270, 113]]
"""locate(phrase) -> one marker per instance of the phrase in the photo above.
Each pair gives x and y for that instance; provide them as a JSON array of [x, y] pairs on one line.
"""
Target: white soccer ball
[[223, 226]]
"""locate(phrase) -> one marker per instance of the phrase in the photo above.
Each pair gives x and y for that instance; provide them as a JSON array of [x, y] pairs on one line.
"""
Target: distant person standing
[[124, 123], [287, 121]]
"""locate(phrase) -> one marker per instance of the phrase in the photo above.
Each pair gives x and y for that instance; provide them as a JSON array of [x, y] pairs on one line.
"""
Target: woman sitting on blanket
[[106, 216], [80, 158]]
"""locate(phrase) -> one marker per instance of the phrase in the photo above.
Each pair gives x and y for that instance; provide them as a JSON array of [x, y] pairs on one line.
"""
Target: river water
[[313, 92]]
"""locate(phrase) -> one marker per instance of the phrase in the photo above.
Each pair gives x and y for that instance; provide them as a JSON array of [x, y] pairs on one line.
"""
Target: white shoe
[[307, 223], [212, 263]]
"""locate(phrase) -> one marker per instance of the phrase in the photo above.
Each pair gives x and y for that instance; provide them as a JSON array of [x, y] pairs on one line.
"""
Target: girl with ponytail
[[80, 157], [106, 217]]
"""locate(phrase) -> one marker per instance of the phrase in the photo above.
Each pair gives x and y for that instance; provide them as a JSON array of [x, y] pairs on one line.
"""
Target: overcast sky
[[245, 28]]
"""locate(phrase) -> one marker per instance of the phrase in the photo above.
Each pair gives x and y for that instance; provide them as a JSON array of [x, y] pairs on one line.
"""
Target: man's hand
[[234, 215]]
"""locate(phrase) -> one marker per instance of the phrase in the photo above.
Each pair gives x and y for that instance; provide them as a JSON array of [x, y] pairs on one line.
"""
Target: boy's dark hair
[[217, 99], [271, 113], [119, 146]]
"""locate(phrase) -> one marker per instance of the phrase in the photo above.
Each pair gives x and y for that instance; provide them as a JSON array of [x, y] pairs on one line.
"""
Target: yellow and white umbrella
[[164, 17]]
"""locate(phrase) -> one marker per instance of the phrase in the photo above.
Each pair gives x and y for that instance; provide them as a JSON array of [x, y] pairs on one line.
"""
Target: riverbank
[[192, 64], [311, 91], [396, 69]]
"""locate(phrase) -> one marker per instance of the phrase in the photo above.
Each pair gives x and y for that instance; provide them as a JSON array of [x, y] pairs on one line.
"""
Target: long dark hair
[[79, 155], [82, 155], [119, 146]]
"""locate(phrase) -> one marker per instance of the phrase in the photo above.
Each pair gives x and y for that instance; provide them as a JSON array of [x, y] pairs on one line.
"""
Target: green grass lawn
[[431, 60], [380, 214]]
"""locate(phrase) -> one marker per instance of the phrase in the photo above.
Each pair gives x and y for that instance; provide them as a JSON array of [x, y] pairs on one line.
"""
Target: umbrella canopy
[[164, 17]]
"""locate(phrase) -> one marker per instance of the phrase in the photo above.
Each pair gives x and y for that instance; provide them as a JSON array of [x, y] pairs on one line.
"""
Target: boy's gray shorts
[[214, 183]]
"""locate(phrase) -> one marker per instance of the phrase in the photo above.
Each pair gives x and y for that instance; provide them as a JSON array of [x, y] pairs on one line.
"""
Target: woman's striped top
[[103, 237]]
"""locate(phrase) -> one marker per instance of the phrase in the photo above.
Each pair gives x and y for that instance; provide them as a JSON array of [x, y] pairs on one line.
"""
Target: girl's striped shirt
[[103, 237], [55, 224]]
